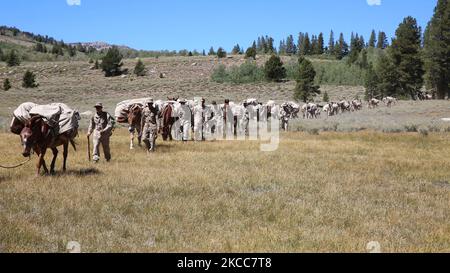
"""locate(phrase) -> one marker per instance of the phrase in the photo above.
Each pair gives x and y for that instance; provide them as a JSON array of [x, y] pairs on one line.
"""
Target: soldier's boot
[[147, 144], [95, 158], [152, 146]]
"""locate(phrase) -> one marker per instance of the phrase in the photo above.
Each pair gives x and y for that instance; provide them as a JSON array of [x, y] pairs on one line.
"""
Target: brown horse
[[36, 135], [134, 120], [167, 121], [16, 126]]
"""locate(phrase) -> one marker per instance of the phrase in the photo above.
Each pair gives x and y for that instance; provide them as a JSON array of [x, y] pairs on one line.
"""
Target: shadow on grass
[[4, 179], [164, 147], [80, 173]]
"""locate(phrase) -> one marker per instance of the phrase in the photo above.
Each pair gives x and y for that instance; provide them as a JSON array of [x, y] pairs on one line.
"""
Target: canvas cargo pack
[[59, 116], [122, 108]]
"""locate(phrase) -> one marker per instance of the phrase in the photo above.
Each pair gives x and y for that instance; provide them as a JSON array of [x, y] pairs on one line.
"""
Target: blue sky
[[199, 24]]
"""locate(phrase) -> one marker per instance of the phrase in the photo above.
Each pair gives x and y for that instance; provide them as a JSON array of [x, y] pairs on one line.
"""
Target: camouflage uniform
[[150, 127], [101, 125]]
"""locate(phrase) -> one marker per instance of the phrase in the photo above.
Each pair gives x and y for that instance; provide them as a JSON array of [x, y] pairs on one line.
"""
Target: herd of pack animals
[[35, 131]]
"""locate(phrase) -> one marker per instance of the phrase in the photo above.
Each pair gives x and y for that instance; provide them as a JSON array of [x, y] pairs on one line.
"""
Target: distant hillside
[[28, 46], [37, 47]]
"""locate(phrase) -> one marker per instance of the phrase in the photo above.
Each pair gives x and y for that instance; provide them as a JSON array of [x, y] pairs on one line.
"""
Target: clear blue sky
[[199, 24]]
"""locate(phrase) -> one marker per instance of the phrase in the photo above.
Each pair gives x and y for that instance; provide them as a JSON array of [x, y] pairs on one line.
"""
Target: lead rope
[[16, 166]]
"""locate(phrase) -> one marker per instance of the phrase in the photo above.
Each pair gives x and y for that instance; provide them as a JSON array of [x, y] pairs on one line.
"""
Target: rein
[[16, 166]]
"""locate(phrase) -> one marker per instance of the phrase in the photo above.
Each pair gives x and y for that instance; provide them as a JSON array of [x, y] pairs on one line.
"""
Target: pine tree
[[139, 69], [305, 46], [386, 77], [282, 49], [291, 49], [6, 84], [29, 80], [382, 40], [250, 53], [12, 59], [363, 61], [270, 46], [254, 46], [211, 52], [320, 44], [331, 43], [373, 39], [112, 62], [371, 83], [362, 42], [314, 45], [236, 50], [341, 48], [305, 89], [406, 57], [357, 44], [437, 50], [274, 70], [301, 37], [221, 53], [203, 53], [2, 57], [264, 48], [259, 46]]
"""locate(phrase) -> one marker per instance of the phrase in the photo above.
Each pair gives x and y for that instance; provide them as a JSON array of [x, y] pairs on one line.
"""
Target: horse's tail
[[74, 144]]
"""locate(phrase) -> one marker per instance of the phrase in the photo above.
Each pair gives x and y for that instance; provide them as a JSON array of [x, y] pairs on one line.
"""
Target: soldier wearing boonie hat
[[101, 126], [149, 125]]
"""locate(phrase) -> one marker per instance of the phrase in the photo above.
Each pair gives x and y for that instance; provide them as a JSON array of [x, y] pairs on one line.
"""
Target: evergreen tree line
[[413, 61]]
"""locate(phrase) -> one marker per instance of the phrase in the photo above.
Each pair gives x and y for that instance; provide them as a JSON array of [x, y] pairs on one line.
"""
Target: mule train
[[43, 127], [313, 111], [184, 120]]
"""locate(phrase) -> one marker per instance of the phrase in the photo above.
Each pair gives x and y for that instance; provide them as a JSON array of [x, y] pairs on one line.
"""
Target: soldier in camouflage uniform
[[101, 125], [149, 125]]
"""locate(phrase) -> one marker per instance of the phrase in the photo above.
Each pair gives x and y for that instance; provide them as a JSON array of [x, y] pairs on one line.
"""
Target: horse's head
[[134, 114], [31, 134]]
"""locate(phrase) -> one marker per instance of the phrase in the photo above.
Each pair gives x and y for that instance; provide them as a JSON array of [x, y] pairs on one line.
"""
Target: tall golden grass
[[332, 192]]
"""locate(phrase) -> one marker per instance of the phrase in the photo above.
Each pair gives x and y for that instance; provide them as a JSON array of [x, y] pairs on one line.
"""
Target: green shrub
[[221, 53], [6, 85], [12, 59], [274, 69], [248, 72], [220, 74], [250, 53], [29, 80], [412, 128], [139, 69], [112, 62]]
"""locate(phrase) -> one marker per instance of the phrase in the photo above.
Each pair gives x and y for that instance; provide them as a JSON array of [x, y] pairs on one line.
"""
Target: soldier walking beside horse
[[101, 127], [149, 125]]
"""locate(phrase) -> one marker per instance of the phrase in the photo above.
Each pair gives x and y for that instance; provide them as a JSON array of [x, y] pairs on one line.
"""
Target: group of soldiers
[[214, 121]]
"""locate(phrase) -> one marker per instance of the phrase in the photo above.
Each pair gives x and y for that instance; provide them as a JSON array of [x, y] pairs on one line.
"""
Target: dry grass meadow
[[333, 185], [332, 192]]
